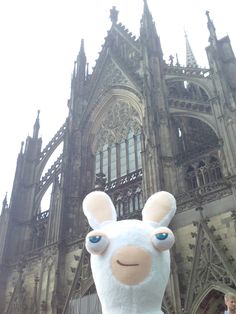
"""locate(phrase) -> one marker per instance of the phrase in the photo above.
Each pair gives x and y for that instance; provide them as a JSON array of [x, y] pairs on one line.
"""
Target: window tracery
[[203, 172], [121, 158], [120, 119], [128, 202], [118, 145]]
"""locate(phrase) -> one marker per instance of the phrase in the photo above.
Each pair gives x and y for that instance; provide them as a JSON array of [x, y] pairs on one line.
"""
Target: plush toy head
[[130, 259]]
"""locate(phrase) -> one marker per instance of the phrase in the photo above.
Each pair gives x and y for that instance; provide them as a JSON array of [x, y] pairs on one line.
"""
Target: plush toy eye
[[163, 239], [95, 239], [96, 243], [161, 235]]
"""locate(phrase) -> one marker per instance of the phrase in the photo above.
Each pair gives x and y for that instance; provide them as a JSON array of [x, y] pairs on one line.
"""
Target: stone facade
[[136, 125]]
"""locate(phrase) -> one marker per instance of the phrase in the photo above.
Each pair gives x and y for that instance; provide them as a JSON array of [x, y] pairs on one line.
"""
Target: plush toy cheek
[[131, 265]]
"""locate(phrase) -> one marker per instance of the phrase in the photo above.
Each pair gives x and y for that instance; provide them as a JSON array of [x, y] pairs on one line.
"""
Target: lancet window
[[203, 172], [119, 159], [118, 142]]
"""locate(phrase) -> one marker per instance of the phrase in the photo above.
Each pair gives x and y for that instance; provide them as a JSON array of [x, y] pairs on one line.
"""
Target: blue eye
[[163, 239], [95, 239], [161, 236], [96, 243]]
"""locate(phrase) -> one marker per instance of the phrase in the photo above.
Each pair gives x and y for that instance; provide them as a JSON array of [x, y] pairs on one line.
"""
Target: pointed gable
[[118, 63], [210, 265]]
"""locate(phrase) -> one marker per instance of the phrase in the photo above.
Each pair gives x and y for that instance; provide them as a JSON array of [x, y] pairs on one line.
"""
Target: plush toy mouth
[[122, 264]]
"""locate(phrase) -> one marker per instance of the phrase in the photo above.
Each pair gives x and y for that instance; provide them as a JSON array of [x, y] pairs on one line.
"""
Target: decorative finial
[[22, 147], [82, 45], [145, 7], [177, 60], [81, 52], [36, 126], [114, 15], [4, 203]]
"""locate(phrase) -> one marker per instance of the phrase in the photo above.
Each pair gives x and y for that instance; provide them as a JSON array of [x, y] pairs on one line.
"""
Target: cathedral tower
[[136, 125]]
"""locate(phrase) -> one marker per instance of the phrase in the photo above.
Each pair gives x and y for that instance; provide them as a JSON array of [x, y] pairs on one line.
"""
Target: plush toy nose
[[131, 265]]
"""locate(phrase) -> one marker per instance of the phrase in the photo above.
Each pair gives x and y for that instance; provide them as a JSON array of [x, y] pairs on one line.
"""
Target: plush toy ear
[[160, 208], [98, 208]]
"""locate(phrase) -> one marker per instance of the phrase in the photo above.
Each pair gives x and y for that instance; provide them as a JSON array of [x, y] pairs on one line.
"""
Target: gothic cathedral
[[136, 125]]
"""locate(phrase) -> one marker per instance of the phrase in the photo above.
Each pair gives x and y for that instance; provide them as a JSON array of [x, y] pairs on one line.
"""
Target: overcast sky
[[40, 40]]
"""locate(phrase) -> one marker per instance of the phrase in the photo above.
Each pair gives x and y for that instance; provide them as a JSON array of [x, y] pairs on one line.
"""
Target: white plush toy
[[130, 259]]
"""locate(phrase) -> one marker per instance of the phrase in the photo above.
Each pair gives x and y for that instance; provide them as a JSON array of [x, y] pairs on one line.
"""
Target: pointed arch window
[[138, 151], [191, 178], [215, 171], [131, 153], [123, 159], [120, 159], [104, 160], [98, 162], [202, 173], [113, 168]]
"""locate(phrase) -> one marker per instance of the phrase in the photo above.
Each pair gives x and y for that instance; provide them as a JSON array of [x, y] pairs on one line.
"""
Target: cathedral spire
[[81, 52], [190, 59], [4, 203], [36, 126], [21, 147], [211, 28], [146, 9], [81, 63], [147, 17], [148, 32]]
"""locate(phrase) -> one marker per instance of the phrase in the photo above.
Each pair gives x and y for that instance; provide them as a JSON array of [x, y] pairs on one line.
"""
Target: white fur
[[116, 297]]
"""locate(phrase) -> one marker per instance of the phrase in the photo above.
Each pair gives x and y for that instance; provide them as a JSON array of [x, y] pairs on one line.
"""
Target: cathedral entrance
[[213, 303]]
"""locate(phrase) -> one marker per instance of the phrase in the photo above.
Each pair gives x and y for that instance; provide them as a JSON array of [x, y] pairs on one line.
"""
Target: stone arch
[[194, 140], [46, 178], [39, 196], [50, 148], [44, 200], [202, 117], [111, 100], [190, 133], [117, 112], [202, 83], [203, 171], [216, 288], [50, 160]]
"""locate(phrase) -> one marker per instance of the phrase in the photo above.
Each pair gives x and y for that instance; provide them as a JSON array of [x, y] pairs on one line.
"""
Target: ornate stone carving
[[119, 120], [167, 305], [18, 303], [111, 76], [210, 265]]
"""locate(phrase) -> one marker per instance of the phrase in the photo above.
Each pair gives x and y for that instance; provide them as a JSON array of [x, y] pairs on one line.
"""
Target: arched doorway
[[213, 303]]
